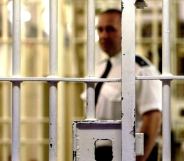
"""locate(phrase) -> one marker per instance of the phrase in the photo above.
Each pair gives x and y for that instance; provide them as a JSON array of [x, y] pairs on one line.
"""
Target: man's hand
[[150, 127]]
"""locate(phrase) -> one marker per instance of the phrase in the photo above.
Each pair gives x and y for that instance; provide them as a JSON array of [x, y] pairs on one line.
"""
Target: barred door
[[15, 81]]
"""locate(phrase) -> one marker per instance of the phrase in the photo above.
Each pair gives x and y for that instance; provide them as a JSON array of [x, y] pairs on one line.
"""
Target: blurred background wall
[[72, 36]]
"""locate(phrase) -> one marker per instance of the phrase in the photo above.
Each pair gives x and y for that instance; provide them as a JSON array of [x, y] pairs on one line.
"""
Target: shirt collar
[[116, 59]]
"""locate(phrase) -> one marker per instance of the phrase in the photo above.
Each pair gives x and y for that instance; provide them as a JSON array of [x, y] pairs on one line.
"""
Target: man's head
[[109, 31]]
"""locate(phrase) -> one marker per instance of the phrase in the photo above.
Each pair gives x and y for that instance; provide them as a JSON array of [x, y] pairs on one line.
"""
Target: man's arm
[[150, 127]]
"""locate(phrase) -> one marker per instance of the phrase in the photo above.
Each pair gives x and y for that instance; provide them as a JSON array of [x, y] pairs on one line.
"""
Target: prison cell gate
[[128, 94]]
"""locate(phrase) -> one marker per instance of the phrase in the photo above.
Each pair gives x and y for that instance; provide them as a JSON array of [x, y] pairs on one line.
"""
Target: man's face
[[109, 31]]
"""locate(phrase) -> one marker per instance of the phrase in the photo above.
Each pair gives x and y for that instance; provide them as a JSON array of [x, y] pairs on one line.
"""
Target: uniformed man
[[108, 95]]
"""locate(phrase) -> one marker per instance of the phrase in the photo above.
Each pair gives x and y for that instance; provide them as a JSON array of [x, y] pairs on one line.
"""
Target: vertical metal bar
[[53, 122], [16, 37], [166, 84], [53, 101], [16, 85], [166, 67], [16, 122], [61, 86], [128, 81], [53, 37], [166, 130], [91, 60]]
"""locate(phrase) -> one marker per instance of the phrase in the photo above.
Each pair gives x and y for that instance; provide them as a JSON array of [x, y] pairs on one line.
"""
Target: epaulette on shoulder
[[141, 61]]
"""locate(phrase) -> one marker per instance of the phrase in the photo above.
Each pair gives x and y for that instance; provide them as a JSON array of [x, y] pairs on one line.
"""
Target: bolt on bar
[[53, 67], [166, 130], [128, 80], [90, 59], [16, 85]]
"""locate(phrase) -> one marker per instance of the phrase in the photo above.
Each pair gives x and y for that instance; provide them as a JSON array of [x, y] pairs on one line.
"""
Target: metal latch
[[101, 140]]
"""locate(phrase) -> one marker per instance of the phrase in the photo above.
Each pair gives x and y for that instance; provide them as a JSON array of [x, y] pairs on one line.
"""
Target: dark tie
[[99, 84]]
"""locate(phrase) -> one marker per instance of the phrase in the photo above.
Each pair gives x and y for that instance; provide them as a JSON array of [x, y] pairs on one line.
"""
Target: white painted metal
[[89, 79], [62, 79], [16, 37], [87, 132], [139, 143], [161, 77], [166, 66], [53, 66], [166, 129], [16, 85], [53, 122], [90, 113], [91, 37], [128, 81], [16, 122]]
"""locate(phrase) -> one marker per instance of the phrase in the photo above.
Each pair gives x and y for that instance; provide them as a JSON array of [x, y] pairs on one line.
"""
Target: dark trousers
[[154, 154]]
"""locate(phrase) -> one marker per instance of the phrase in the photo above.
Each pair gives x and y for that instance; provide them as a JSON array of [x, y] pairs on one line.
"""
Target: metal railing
[[128, 78]]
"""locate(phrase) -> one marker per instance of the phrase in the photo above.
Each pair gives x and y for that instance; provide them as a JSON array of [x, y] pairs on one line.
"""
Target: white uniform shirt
[[148, 93]]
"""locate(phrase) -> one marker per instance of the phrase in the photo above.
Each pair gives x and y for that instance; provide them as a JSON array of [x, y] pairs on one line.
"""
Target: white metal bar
[[53, 122], [128, 81], [90, 113], [63, 79], [53, 66], [89, 79], [166, 65], [166, 68], [16, 37], [16, 85], [91, 37], [16, 122], [160, 77], [166, 130]]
